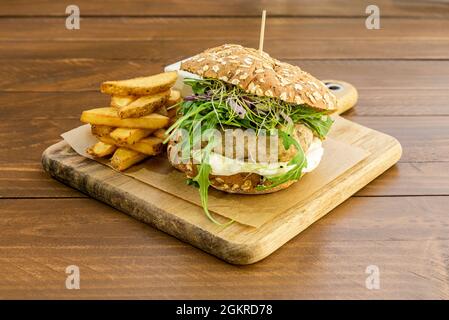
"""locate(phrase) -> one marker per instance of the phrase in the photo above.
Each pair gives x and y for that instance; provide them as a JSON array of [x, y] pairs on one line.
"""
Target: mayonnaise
[[225, 166]]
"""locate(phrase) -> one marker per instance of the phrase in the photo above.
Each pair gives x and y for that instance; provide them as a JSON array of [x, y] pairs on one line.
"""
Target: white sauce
[[225, 166]]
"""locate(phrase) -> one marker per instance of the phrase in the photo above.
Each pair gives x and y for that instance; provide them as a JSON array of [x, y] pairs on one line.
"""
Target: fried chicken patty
[[242, 149]]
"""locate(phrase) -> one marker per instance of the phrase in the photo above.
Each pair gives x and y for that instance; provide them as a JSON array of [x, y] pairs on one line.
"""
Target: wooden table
[[399, 222]]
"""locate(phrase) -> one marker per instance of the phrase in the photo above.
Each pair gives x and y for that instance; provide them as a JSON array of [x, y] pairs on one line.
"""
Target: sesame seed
[[298, 86], [311, 97], [313, 84], [317, 96], [298, 100], [248, 60]]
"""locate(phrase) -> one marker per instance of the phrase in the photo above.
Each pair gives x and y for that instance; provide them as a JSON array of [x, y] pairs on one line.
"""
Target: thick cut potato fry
[[174, 98], [124, 158], [159, 133], [162, 111], [101, 149], [171, 122], [143, 106], [122, 101], [172, 113], [141, 86], [99, 130], [130, 136], [108, 117], [150, 146]]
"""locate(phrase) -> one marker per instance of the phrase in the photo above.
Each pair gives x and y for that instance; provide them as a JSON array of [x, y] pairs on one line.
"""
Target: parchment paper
[[252, 210]]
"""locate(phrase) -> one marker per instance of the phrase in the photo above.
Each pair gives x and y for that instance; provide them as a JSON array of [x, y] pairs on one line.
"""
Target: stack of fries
[[133, 127]]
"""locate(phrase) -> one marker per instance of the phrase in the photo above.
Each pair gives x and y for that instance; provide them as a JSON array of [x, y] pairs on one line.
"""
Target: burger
[[257, 123]]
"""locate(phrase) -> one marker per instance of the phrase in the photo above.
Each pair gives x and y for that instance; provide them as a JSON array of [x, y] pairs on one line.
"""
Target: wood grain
[[372, 102], [303, 8], [411, 179], [222, 29], [406, 238], [20, 175], [87, 74], [237, 243], [423, 138], [27, 180], [308, 47], [173, 38]]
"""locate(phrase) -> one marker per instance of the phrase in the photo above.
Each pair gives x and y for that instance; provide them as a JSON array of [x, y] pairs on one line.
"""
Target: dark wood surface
[[399, 222]]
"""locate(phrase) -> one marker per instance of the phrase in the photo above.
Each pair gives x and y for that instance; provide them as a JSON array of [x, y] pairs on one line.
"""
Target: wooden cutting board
[[237, 243]]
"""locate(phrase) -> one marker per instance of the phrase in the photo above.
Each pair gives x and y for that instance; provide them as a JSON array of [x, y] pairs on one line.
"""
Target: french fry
[[124, 158], [143, 106], [174, 98], [172, 113], [130, 136], [141, 86], [150, 146], [99, 130], [108, 117], [122, 101], [159, 133], [171, 122], [101, 149], [162, 111]]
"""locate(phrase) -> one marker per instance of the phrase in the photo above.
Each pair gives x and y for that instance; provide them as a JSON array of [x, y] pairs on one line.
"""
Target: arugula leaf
[[191, 182], [202, 179], [299, 161], [198, 87]]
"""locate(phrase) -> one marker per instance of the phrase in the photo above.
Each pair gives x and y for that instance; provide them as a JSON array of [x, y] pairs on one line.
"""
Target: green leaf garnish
[[299, 162]]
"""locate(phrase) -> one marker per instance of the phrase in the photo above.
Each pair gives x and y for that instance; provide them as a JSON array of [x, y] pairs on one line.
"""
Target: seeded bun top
[[258, 73]]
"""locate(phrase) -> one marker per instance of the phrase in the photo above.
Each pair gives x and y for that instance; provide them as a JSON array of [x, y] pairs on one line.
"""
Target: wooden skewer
[[262, 30]]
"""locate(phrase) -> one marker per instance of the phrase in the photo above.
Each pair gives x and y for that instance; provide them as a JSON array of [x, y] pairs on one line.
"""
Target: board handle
[[345, 92]]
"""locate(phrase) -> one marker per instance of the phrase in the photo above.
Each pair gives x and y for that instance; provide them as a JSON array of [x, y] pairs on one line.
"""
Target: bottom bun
[[241, 183]]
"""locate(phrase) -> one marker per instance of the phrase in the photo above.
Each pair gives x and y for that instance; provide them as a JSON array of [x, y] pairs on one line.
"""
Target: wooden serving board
[[237, 243]]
